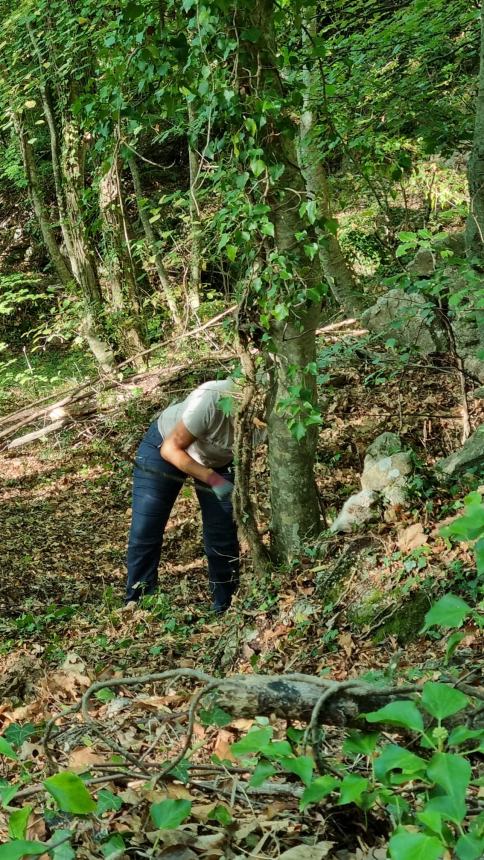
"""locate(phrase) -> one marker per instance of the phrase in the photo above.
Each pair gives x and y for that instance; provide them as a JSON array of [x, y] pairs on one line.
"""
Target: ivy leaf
[[403, 713], [449, 611], [170, 813], [361, 743], [18, 821], [113, 846], [302, 766], [394, 757], [221, 814], [231, 251], [17, 849], [352, 788], [451, 808], [63, 848], [16, 733], [70, 793], [263, 771], [217, 716], [318, 790], [257, 166], [442, 700], [7, 750], [405, 845], [253, 742], [107, 801]]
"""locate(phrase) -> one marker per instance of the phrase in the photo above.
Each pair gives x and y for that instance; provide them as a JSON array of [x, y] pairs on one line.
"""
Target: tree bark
[[193, 290], [475, 220], [151, 243], [120, 274], [289, 699], [38, 204], [294, 501], [336, 268]]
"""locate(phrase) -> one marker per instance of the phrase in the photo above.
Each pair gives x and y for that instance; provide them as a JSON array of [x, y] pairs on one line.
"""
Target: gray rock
[[423, 264], [409, 318], [358, 509], [470, 456], [384, 445]]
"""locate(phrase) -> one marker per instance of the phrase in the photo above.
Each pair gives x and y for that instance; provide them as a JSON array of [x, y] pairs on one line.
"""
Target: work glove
[[223, 489]]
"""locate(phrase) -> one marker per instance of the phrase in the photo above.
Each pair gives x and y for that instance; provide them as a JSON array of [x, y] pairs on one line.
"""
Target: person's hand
[[222, 488]]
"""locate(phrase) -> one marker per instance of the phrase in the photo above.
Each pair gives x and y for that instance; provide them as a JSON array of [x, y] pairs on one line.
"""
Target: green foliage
[[169, 814], [70, 793]]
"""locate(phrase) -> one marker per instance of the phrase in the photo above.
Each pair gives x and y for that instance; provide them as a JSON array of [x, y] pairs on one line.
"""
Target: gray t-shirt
[[204, 418]]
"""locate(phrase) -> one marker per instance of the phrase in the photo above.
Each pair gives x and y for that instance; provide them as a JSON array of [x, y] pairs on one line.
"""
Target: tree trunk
[[475, 220], [294, 501], [119, 270], [337, 271], [193, 290], [67, 158], [38, 204], [151, 243]]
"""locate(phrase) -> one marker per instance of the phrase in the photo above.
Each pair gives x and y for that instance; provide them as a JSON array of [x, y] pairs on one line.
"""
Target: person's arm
[[174, 451]]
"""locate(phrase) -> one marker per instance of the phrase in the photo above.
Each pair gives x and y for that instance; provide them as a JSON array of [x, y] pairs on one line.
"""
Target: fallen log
[[280, 695]]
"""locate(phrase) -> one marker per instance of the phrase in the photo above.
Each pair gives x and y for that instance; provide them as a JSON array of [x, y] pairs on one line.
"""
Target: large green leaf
[[319, 789], [450, 772], [18, 848], [470, 846], [70, 793], [170, 813], [361, 743], [18, 821], [352, 788], [442, 700], [404, 713], [449, 611], [394, 757], [253, 742], [302, 766], [449, 807], [263, 771], [405, 845]]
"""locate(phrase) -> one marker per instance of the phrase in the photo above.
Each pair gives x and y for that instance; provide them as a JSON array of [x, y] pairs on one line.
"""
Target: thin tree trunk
[[120, 275], [475, 220], [337, 271], [38, 204], [193, 290], [294, 501], [67, 159], [151, 242]]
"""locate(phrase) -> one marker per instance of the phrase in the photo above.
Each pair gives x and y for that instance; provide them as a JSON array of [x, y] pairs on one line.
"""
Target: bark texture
[[247, 695], [119, 270], [337, 271], [475, 221], [168, 291], [193, 290], [294, 502], [38, 204]]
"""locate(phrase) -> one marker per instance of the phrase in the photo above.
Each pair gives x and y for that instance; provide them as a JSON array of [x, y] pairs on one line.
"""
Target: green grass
[[28, 376]]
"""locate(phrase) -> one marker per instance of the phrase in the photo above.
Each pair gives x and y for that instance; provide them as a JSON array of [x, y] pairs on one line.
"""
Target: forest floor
[[65, 517]]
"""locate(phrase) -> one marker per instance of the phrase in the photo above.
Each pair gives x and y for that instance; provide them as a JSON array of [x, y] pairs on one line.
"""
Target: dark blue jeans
[[156, 484]]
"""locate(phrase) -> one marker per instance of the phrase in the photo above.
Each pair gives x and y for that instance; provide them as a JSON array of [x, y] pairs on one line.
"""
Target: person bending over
[[195, 438]]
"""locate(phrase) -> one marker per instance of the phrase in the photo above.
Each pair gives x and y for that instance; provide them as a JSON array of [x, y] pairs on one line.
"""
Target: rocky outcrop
[[469, 457], [384, 482], [410, 319]]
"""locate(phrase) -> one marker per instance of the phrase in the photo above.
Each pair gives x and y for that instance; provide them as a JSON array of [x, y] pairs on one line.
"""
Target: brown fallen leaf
[[222, 745], [411, 538], [81, 760]]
